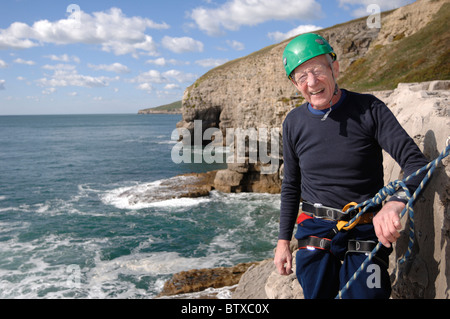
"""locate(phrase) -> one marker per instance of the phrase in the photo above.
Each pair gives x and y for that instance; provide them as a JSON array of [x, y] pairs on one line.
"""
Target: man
[[332, 151]]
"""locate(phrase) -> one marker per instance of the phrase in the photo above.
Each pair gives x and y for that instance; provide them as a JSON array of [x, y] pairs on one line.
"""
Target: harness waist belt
[[320, 211]]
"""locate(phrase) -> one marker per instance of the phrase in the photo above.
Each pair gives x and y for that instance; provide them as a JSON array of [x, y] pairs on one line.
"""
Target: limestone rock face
[[423, 110]]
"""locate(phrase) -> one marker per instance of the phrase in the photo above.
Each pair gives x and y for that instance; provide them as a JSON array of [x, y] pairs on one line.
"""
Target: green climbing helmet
[[303, 48]]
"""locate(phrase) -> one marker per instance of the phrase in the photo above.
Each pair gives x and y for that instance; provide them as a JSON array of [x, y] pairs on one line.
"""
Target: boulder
[[196, 280]]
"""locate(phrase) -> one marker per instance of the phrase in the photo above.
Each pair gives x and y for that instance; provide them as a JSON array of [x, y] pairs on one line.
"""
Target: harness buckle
[[331, 214]]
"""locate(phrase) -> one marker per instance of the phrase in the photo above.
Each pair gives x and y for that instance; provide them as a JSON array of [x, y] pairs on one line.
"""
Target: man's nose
[[312, 79]]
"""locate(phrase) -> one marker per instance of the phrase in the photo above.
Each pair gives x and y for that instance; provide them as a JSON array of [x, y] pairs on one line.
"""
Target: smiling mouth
[[317, 92]]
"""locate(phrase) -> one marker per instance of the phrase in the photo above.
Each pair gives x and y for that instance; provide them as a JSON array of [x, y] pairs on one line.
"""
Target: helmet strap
[[336, 92]]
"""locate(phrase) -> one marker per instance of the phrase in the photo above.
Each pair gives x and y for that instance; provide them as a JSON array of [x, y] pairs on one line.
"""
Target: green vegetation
[[423, 56]]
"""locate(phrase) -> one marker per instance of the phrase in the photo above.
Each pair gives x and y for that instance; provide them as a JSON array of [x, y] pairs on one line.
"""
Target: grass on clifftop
[[423, 56]]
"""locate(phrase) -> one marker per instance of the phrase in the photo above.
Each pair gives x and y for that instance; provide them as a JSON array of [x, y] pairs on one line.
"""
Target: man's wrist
[[399, 196]]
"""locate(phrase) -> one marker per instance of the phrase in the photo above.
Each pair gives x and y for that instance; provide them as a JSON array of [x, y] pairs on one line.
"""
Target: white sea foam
[[209, 293], [22, 208], [34, 275], [42, 208], [148, 195], [168, 142], [161, 263], [107, 273]]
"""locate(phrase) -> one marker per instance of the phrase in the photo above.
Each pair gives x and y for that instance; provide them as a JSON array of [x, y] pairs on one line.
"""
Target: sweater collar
[[334, 107]]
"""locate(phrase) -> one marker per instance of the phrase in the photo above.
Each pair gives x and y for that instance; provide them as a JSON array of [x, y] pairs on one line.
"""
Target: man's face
[[314, 80]]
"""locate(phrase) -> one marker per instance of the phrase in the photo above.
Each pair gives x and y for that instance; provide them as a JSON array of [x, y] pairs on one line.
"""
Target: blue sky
[[120, 56]]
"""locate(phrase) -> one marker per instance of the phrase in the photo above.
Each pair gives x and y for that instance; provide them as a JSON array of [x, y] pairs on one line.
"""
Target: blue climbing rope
[[389, 190]]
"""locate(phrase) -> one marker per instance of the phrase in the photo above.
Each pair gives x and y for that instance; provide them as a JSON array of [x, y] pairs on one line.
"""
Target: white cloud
[[151, 76], [182, 45], [180, 76], [49, 91], [114, 31], [65, 76], [360, 6], [115, 67], [64, 58], [22, 61], [3, 64], [145, 87], [172, 87], [60, 66], [238, 46], [211, 62], [147, 79], [278, 36], [165, 62], [235, 13], [2, 84]]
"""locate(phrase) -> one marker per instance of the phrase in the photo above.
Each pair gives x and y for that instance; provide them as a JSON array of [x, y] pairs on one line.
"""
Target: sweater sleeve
[[395, 140], [290, 189]]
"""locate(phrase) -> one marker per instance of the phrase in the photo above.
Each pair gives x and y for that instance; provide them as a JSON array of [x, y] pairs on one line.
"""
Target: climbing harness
[[314, 242], [353, 214], [390, 190], [342, 217]]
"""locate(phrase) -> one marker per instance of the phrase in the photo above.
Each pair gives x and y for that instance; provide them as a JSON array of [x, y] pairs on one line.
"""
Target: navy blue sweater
[[340, 160]]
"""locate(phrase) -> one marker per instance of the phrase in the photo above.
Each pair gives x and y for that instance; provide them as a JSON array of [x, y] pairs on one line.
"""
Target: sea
[[68, 230]]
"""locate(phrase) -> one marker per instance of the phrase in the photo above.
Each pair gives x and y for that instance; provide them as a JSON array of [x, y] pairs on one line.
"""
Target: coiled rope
[[389, 190]]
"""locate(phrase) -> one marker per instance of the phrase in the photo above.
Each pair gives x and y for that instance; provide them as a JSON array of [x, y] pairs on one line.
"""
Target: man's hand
[[283, 257], [387, 223]]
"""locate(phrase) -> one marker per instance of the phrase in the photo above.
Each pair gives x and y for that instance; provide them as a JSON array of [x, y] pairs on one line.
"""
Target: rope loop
[[389, 190]]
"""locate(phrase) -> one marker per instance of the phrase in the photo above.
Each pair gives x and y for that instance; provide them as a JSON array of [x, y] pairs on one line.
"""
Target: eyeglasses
[[318, 71]]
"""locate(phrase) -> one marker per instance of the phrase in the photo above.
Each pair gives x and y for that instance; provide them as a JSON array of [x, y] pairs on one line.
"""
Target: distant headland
[[172, 108]]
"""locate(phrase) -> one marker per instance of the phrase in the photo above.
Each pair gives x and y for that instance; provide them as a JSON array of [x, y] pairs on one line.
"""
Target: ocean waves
[[123, 243], [93, 207], [161, 193]]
